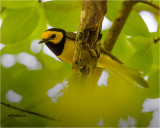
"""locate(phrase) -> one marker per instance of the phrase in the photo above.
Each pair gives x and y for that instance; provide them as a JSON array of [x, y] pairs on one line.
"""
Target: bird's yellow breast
[[68, 51]]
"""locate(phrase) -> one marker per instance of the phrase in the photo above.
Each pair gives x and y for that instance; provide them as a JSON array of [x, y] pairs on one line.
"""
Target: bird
[[62, 44]]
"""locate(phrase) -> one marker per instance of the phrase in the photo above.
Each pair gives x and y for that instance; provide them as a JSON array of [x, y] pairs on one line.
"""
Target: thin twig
[[27, 111], [118, 24], [151, 4]]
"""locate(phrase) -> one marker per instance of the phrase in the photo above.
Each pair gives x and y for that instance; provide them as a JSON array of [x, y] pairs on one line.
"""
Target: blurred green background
[[32, 79]]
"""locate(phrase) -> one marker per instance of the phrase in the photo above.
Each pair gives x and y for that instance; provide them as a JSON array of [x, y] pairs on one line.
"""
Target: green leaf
[[141, 60], [122, 49], [19, 24], [156, 56], [104, 33], [155, 49], [5, 12], [52, 64], [144, 119], [13, 4], [41, 25], [129, 99], [33, 87], [156, 35], [142, 6], [65, 15], [140, 42], [17, 47], [135, 26], [113, 8], [153, 80]]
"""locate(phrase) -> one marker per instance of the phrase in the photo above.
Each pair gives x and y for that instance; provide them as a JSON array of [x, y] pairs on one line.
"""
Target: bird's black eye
[[53, 36]]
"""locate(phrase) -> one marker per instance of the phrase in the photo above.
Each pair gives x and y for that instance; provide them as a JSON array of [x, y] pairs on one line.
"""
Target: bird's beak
[[43, 40]]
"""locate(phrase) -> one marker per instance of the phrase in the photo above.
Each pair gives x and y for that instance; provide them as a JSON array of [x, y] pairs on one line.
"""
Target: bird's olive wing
[[102, 50], [71, 35]]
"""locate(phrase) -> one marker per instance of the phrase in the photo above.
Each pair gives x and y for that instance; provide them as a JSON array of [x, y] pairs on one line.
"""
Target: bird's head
[[53, 35]]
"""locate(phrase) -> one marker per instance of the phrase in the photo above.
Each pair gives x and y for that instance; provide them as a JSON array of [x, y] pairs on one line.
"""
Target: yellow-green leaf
[[19, 24]]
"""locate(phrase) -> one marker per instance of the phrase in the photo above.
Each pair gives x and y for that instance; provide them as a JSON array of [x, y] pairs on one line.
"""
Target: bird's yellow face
[[52, 36]]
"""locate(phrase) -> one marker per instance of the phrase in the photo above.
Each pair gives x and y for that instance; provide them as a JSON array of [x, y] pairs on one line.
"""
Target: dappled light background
[[33, 78]]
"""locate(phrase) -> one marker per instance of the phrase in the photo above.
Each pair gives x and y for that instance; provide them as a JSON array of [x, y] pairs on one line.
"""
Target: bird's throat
[[57, 49]]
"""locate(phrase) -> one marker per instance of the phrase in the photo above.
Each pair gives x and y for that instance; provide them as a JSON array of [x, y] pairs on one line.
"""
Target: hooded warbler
[[61, 43]]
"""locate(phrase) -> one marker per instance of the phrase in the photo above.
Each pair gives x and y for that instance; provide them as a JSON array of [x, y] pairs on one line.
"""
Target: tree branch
[[87, 49], [118, 24], [151, 4], [27, 111]]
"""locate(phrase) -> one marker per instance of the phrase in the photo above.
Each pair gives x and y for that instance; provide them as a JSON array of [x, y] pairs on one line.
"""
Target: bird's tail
[[130, 75]]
